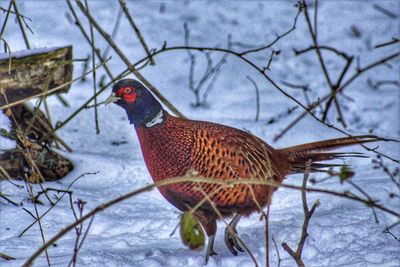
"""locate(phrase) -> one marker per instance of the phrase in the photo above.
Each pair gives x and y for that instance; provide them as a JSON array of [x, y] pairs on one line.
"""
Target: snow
[[137, 232], [25, 53], [5, 143]]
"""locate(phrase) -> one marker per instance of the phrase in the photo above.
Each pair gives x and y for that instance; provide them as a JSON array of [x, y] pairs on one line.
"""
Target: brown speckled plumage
[[201, 149], [174, 147]]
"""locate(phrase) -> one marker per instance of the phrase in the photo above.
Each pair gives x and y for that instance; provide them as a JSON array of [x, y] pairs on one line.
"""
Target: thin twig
[[6, 18], [332, 88], [385, 169], [393, 41], [96, 119], [385, 12], [84, 105], [87, 38], [231, 231], [367, 196], [114, 31], [289, 126], [322, 47], [277, 251], [257, 97], [136, 29], [13, 12], [29, 188], [19, 19], [7, 50], [296, 255], [358, 73], [131, 67], [210, 71], [278, 37], [4, 174], [6, 257], [8, 199], [166, 182], [58, 200], [308, 109], [271, 57], [387, 231]]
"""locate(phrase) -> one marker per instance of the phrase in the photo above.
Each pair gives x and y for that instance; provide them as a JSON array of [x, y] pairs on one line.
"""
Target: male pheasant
[[175, 147]]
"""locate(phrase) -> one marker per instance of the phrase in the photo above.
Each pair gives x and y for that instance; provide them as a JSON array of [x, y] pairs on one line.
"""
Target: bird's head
[[140, 105]]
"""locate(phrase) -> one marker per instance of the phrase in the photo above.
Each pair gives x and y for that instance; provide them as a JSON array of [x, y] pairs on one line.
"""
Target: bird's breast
[[166, 151]]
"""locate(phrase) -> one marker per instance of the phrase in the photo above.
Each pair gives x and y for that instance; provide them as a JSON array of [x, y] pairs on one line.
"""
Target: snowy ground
[[137, 232]]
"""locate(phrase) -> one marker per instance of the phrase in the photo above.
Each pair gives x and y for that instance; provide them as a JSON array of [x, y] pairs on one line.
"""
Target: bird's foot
[[232, 240], [210, 248]]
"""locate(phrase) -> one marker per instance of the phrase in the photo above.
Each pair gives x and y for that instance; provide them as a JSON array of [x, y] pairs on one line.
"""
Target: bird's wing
[[225, 153]]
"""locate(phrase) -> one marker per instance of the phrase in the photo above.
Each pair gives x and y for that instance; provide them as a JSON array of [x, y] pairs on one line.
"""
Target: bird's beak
[[111, 99]]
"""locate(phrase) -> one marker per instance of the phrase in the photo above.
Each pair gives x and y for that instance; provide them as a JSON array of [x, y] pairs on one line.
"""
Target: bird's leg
[[231, 239], [209, 224], [210, 248]]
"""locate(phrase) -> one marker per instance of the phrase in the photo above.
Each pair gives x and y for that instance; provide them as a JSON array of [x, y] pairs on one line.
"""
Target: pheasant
[[175, 147]]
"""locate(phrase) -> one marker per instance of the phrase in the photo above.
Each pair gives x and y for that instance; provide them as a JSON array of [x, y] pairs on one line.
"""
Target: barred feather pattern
[[179, 147], [207, 150]]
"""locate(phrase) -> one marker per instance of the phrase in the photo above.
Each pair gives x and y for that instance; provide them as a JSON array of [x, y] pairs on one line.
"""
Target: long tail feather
[[298, 156]]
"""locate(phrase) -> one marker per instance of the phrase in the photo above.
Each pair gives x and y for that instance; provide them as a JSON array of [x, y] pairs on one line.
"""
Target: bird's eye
[[127, 90]]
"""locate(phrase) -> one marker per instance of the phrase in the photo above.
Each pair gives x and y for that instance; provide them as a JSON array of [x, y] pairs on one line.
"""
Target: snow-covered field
[[137, 232]]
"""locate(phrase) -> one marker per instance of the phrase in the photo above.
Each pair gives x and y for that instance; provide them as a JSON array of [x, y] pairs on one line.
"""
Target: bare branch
[[385, 12], [296, 255], [96, 120], [136, 29], [257, 97], [131, 67], [314, 38], [278, 37], [200, 180], [393, 41], [21, 26]]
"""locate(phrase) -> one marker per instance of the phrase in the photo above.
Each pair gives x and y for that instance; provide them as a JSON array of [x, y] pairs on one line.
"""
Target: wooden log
[[17, 164], [27, 73], [31, 122]]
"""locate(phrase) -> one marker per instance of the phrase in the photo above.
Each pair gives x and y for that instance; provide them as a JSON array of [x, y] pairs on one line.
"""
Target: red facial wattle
[[129, 97], [128, 94]]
